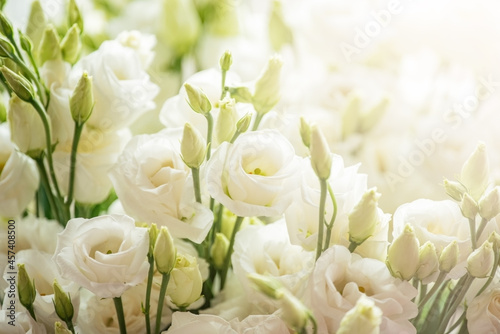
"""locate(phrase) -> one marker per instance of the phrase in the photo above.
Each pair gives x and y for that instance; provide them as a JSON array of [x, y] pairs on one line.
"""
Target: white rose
[[105, 254], [255, 175], [341, 278], [19, 177], [483, 313], [122, 89], [152, 183]]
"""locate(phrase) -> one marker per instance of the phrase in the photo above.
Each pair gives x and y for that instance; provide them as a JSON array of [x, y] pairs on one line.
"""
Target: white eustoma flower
[[153, 185], [105, 254], [37, 233], [19, 323], [483, 313], [255, 175], [143, 45], [341, 278], [19, 177]]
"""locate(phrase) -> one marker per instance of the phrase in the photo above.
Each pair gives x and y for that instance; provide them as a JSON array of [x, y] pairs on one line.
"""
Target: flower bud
[[197, 99], [224, 20], [321, 157], [193, 148], [244, 123], [18, 84], [403, 254], [59, 329], [480, 261], [26, 127], [241, 94], [267, 87], [363, 219], [49, 48], [489, 205], [279, 32], [62, 303], [26, 287], [454, 189], [180, 34], [74, 16], [494, 238], [225, 127], [165, 252], [5, 26], [219, 249], [295, 314], [449, 257], [365, 317], [468, 206], [36, 24], [185, 284], [71, 45], [153, 235], [428, 262], [226, 61], [476, 172], [26, 43], [268, 285], [82, 100], [6, 49], [305, 132]]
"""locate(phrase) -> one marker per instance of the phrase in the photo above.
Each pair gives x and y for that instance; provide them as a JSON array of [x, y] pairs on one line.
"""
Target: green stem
[[48, 191], [321, 217], [227, 259], [163, 290], [258, 118], [353, 246], [223, 92], [435, 287], [472, 227], [120, 315], [196, 184], [70, 326], [481, 227], [314, 323], [42, 92], [149, 285], [458, 322], [423, 291], [329, 227], [72, 165], [210, 128], [453, 307]]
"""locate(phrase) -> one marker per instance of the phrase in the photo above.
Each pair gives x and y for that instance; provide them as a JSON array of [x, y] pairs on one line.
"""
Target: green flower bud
[[449, 257], [454, 189], [71, 45], [305, 132], [18, 84], [489, 205], [165, 252], [279, 32], [480, 261], [476, 172], [74, 16], [193, 147], [226, 61], [153, 235], [403, 255], [219, 250], [197, 99], [321, 157], [81, 101], [5, 26], [225, 127], [36, 23], [25, 42], [182, 25], [267, 87], [295, 314], [268, 285], [241, 94], [26, 287], [49, 48], [60, 329], [62, 303], [494, 238], [428, 261], [6, 49], [468, 206], [185, 284], [244, 123], [364, 318]]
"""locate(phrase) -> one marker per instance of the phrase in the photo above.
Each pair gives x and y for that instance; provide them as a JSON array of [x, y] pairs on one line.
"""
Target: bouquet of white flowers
[[225, 209]]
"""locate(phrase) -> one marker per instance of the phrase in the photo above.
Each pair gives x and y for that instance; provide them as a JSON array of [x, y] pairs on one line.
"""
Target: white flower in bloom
[[143, 45], [20, 323], [153, 185], [37, 233], [255, 175], [105, 254], [483, 313], [341, 278]]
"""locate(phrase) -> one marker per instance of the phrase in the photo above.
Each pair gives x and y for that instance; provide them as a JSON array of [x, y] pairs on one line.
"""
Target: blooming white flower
[[341, 278], [483, 313], [105, 254], [254, 175], [143, 45], [37, 233], [152, 183], [20, 323]]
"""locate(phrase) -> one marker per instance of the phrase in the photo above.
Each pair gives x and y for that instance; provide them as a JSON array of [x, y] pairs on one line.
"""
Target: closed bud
[[193, 147], [321, 157], [71, 45], [18, 84], [185, 284], [428, 261], [476, 172], [36, 23], [60, 329], [197, 99], [226, 61], [74, 16], [449, 257], [305, 132], [489, 205], [219, 249], [26, 127], [81, 101], [403, 255], [25, 42], [480, 261], [295, 314], [267, 88], [454, 189], [268, 285], [26, 287], [62, 303], [49, 48], [180, 34], [468, 206], [241, 94], [225, 127], [363, 219], [279, 32], [244, 123], [165, 252], [5, 26], [365, 317], [153, 235], [494, 238], [6, 49]]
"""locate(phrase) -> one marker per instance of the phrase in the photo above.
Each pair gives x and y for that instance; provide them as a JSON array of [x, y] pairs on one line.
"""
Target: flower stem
[[227, 259], [321, 215], [69, 323], [163, 290], [48, 191], [210, 128], [120, 315], [492, 274], [72, 165], [472, 227], [147, 303], [196, 184], [258, 118], [329, 227], [453, 307], [481, 227], [435, 287]]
